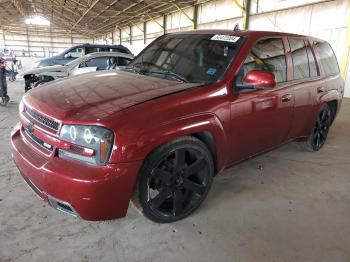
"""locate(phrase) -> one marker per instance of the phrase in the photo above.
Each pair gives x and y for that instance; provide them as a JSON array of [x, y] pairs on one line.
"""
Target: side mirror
[[258, 79], [69, 55]]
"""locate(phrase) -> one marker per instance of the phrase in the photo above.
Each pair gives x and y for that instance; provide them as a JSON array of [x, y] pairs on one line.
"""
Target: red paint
[[145, 112], [259, 78]]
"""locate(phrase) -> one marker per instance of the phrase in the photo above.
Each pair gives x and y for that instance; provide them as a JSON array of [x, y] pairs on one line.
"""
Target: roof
[[97, 54], [87, 17], [243, 33]]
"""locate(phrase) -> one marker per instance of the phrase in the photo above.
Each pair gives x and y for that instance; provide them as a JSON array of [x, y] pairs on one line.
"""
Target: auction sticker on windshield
[[225, 38]]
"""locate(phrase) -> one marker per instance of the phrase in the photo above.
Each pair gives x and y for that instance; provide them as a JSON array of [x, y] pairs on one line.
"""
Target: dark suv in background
[[77, 51]]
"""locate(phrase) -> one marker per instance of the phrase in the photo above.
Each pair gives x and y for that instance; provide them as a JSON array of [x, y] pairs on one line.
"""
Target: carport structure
[[89, 17]]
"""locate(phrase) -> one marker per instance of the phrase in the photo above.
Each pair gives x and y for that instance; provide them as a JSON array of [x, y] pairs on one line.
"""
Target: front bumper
[[89, 192]]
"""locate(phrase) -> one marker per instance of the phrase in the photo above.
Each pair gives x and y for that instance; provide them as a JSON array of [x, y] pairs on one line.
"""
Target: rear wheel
[[320, 130], [175, 179]]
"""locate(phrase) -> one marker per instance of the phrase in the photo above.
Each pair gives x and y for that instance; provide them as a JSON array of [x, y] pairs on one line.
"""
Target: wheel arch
[[205, 127], [332, 99], [333, 105], [208, 139]]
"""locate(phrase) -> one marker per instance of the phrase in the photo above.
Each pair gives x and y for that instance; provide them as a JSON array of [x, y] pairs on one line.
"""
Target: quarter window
[[301, 68], [268, 55], [99, 62], [122, 61], [327, 58], [312, 61]]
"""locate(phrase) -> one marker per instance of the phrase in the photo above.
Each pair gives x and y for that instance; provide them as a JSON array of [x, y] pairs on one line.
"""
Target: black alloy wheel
[[41, 82], [320, 130], [175, 179]]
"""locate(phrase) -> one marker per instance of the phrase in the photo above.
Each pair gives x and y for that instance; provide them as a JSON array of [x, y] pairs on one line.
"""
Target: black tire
[[175, 179], [320, 130]]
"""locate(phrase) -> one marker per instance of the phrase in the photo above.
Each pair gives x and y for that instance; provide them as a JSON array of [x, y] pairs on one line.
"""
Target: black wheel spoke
[[196, 167], [194, 187], [162, 175], [318, 143], [180, 156], [178, 199], [159, 199]]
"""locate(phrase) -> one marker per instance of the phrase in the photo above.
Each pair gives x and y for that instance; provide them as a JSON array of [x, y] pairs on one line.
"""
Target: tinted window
[[312, 61], [118, 50], [268, 55], [299, 58], [327, 58], [195, 58], [89, 50], [99, 62], [122, 61]]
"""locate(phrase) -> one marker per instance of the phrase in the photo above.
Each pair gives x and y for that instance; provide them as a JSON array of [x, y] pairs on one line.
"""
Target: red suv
[[187, 107]]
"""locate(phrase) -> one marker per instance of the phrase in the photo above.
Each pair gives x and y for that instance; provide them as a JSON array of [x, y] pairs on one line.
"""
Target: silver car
[[88, 63]]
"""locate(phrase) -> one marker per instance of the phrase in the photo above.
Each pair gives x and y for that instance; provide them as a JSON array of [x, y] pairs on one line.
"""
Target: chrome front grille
[[43, 120]]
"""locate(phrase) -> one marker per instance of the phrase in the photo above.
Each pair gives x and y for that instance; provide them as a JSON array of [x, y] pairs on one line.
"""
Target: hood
[[39, 70], [96, 96]]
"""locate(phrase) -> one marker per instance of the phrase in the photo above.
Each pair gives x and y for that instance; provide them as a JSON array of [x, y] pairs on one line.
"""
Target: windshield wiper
[[169, 73]]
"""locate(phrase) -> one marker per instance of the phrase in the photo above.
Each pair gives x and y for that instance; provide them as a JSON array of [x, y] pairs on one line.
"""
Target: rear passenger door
[[307, 83]]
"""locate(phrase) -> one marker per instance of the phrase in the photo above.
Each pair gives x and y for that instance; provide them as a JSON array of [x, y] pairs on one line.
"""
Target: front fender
[[156, 135]]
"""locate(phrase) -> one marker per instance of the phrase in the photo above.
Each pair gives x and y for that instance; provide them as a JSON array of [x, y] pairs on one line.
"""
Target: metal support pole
[[112, 38], [144, 32], [345, 58], [28, 43], [164, 24], [130, 35], [3, 37], [120, 36], [195, 16], [246, 14]]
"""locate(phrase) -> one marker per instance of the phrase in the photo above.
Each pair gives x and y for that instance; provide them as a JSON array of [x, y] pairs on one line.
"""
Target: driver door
[[261, 119]]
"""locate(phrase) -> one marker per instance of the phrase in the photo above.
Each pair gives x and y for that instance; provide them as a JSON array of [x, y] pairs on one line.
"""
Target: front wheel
[[320, 130], [175, 179], [41, 82]]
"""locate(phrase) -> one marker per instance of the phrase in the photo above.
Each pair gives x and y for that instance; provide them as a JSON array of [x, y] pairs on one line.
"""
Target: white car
[[88, 63]]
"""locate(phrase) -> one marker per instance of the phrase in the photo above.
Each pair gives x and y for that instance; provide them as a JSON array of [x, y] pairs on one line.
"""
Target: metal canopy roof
[[87, 17]]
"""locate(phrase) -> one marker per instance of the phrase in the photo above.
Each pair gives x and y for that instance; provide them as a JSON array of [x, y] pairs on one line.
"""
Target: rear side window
[[312, 61], [327, 58], [268, 55], [122, 61], [120, 50], [99, 62], [301, 68]]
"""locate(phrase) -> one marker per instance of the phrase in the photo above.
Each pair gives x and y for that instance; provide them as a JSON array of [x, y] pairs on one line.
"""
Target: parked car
[[188, 106], [77, 51], [88, 63]]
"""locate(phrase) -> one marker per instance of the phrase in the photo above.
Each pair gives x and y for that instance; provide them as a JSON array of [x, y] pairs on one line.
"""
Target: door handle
[[286, 98], [320, 89]]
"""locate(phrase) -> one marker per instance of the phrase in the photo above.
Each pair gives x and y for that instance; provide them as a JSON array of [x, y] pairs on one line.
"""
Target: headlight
[[92, 144]]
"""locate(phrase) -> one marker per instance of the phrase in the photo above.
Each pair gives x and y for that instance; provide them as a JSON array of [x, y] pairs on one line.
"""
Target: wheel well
[[333, 106], [208, 139]]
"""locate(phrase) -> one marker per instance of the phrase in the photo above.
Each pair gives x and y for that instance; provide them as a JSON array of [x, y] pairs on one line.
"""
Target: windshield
[[197, 58]]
